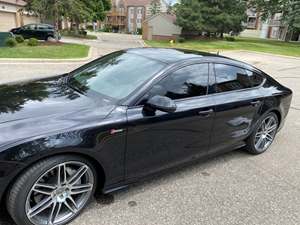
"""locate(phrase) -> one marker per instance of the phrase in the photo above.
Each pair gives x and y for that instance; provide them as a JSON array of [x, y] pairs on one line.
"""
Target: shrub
[[33, 42], [11, 42], [90, 27], [180, 39], [139, 31], [229, 38], [82, 32], [19, 38]]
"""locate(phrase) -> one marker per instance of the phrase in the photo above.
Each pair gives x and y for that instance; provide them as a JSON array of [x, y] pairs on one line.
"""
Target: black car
[[122, 117], [38, 31]]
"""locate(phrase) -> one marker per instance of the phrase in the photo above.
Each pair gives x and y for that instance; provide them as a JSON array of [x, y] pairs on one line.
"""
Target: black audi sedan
[[125, 116], [38, 31]]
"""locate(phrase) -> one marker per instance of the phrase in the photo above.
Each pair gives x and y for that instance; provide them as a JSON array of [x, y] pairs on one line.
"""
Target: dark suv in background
[[38, 31]]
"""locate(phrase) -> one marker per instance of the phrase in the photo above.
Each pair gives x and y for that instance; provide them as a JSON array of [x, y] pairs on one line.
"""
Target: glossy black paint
[[43, 118]]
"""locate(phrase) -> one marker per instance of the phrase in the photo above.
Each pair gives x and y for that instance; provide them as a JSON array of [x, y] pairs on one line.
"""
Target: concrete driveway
[[235, 188]]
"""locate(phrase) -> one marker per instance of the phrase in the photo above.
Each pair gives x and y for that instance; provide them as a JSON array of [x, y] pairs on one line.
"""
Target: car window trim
[[167, 73]]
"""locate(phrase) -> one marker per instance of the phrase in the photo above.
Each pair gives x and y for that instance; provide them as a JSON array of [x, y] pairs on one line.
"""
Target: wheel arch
[[278, 114], [97, 165]]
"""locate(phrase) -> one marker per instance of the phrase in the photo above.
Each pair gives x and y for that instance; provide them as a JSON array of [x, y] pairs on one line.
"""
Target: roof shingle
[[15, 2]]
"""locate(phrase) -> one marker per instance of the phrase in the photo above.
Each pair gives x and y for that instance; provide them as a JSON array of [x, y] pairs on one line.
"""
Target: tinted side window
[[29, 27], [255, 78], [230, 78], [41, 27], [190, 81]]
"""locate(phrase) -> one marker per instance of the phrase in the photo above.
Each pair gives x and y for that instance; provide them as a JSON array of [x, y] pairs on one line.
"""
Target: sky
[[173, 1]]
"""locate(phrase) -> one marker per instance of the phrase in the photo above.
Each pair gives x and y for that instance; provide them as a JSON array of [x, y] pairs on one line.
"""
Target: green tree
[[77, 11], [210, 16], [155, 7], [290, 10]]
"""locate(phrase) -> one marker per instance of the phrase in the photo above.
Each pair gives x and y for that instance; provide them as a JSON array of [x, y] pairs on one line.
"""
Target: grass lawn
[[46, 51], [252, 44]]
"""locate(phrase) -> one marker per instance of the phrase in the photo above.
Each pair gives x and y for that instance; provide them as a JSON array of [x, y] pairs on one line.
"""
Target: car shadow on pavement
[[203, 166], [5, 218]]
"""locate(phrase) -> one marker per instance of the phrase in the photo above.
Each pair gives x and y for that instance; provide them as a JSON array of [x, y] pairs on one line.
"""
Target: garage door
[[30, 19], [7, 21]]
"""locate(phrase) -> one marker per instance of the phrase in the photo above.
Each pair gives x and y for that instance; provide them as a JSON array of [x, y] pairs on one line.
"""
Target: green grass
[[251, 44], [46, 51]]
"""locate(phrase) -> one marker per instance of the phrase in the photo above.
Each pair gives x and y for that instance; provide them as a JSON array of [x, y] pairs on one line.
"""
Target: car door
[[237, 106], [28, 31], [40, 31], [162, 140]]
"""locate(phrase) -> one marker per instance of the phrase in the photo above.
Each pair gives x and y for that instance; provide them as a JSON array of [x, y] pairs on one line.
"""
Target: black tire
[[17, 195], [250, 142], [48, 38]]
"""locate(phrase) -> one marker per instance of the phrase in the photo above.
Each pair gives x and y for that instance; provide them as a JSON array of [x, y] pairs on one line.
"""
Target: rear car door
[[163, 140], [238, 102], [41, 32]]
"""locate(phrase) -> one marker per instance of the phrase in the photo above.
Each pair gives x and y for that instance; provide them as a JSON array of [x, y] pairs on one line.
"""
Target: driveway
[[235, 188]]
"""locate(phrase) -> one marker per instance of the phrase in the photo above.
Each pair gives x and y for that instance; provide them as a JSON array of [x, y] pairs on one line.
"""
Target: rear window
[[255, 78], [231, 78]]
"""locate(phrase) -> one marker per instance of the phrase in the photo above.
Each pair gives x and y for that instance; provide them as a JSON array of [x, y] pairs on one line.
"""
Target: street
[[234, 188]]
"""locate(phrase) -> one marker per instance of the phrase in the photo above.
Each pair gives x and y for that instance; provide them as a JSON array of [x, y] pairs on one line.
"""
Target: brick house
[[128, 15], [12, 15], [272, 28]]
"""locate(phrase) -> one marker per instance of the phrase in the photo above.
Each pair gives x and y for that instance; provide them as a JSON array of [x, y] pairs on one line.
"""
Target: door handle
[[205, 113], [255, 103]]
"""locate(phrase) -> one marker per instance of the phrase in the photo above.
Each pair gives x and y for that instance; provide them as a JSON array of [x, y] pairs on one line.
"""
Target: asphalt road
[[235, 188]]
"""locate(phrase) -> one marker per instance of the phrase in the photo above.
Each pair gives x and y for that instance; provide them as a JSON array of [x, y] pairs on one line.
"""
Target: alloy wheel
[[60, 194], [265, 134]]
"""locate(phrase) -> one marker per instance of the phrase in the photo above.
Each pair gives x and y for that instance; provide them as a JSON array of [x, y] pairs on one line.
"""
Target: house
[[128, 15], [272, 28], [161, 27], [12, 15]]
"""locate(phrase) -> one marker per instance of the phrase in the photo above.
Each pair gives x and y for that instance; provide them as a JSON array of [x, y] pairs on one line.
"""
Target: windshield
[[116, 75]]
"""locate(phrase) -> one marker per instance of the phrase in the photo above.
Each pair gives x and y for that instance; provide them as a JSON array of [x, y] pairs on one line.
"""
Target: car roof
[[43, 24], [175, 55], [171, 55]]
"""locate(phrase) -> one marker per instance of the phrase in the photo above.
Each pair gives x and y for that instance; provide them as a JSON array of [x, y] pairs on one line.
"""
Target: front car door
[[238, 102], [162, 140], [28, 31]]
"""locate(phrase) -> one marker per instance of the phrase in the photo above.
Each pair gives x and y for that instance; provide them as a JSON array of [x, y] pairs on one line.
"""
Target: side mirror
[[161, 103]]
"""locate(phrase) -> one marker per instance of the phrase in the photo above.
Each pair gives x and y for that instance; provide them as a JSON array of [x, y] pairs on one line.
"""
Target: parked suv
[[38, 31]]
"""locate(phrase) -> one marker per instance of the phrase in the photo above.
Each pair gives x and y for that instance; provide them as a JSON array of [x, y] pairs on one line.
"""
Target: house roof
[[14, 2], [137, 2], [168, 16]]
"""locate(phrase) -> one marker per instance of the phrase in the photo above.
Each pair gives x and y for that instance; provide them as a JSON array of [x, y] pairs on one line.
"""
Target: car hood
[[45, 106]]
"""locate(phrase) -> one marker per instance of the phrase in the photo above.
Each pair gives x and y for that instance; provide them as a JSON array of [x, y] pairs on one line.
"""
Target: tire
[[48, 38], [253, 145], [22, 198]]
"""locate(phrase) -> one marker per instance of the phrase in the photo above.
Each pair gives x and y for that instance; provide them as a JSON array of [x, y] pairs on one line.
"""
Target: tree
[[155, 7], [210, 16], [77, 11], [290, 10]]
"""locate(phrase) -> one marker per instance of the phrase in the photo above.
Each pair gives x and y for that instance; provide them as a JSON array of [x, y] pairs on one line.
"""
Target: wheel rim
[[59, 194], [265, 133]]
